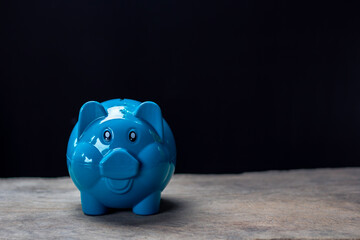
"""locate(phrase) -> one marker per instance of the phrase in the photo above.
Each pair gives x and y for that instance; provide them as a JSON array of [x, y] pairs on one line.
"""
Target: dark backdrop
[[245, 86]]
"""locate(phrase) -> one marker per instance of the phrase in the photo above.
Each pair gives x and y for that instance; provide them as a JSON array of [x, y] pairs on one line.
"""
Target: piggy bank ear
[[150, 112], [89, 112]]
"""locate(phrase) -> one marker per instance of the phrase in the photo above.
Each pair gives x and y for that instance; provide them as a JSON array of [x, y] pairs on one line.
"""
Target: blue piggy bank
[[121, 154]]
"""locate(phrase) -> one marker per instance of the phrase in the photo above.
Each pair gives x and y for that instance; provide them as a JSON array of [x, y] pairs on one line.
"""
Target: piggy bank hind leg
[[150, 205], [91, 206]]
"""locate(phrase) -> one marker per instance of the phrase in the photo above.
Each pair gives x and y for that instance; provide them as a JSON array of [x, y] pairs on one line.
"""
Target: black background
[[245, 86]]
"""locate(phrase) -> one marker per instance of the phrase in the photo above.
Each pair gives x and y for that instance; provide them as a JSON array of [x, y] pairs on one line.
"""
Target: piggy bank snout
[[119, 164]]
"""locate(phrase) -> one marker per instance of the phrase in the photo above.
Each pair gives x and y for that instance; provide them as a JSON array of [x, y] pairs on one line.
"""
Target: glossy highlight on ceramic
[[121, 154]]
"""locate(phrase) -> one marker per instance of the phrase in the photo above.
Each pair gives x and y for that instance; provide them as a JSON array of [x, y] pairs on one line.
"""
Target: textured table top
[[311, 204]]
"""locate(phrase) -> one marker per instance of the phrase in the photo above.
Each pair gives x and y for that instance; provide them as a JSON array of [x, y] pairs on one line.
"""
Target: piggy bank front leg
[[91, 206], [150, 205]]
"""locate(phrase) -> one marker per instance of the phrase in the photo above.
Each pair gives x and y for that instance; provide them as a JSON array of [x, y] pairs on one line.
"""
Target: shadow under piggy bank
[[172, 213]]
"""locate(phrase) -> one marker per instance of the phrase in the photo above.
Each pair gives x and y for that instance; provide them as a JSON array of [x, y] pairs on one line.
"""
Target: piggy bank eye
[[132, 136], [107, 136]]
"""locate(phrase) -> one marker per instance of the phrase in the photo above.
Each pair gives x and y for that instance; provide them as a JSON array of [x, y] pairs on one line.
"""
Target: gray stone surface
[[311, 204]]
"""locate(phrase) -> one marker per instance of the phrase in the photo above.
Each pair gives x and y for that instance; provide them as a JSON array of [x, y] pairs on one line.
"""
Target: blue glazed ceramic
[[121, 154]]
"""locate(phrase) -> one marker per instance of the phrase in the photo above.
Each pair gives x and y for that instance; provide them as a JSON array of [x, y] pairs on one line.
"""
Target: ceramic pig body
[[121, 154]]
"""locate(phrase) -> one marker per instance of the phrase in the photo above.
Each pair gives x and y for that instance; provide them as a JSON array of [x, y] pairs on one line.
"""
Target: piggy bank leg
[[91, 206], [150, 205]]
